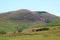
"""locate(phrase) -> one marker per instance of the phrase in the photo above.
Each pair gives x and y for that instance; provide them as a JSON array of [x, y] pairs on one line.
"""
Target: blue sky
[[52, 6]]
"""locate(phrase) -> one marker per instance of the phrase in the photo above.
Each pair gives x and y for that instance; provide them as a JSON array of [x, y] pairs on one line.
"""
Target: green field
[[45, 35], [9, 26], [34, 37]]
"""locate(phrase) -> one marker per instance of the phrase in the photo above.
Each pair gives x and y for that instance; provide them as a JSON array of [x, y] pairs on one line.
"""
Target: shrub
[[20, 28], [42, 29], [2, 32]]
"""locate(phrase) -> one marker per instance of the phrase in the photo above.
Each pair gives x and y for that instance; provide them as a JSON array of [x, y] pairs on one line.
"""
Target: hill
[[27, 15], [12, 19]]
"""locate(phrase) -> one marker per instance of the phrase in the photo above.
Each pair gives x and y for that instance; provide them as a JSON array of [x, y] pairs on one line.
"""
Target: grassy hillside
[[29, 20], [53, 24], [10, 20], [11, 25]]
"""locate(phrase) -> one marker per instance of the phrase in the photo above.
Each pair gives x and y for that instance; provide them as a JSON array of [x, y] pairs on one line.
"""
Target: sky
[[51, 6]]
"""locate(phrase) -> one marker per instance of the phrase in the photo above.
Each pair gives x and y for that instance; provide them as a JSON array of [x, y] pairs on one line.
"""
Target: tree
[[20, 28]]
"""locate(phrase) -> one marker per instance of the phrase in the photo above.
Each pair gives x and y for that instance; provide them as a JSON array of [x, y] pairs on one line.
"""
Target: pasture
[[43, 35], [27, 34]]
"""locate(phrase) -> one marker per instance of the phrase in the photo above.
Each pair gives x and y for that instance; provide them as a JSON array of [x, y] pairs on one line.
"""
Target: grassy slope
[[54, 24], [44, 35], [8, 25], [11, 25]]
